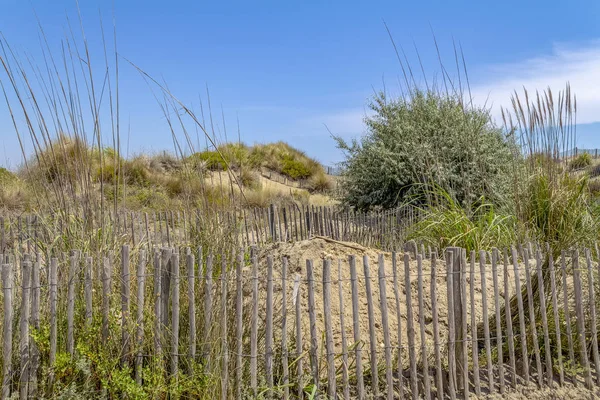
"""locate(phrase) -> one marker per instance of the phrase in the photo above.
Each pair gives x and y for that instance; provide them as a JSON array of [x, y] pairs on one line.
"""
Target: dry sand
[[319, 249]]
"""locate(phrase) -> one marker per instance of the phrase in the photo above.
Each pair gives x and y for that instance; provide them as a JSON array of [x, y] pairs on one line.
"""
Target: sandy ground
[[319, 249], [216, 178]]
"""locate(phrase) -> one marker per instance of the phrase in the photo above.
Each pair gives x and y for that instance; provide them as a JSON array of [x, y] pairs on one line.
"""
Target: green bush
[[211, 159], [284, 159], [131, 172], [6, 176], [294, 169], [556, 210], [427, 139], [581, 161], [445, 223], [236, 154]]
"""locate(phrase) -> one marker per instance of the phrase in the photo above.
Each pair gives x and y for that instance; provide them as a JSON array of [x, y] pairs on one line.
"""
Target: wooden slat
[[35, 324], [141, 281], [385, 326], [532, 321], [71, 303], [329, 350], [566, 309], [451, 325], [557, 324], [224, 332], [345, 377], [509, 326], [157, 304], [486, 323], [190, 261], [356, 329], [284, 344], [424, 360], [313, 324], [175, 315], [522, 331], [581, 322], [475, 343], [498, 333], [299, 349], [88, 288], [24, 327], [106, 288], [208, 305], [239, 366], [542, 296], [372, 331], [400, 368], [593, 320], [269, 327], [410, 330], [7, 289], [254, 328], [436, 330], [464, 323], [125, 303]]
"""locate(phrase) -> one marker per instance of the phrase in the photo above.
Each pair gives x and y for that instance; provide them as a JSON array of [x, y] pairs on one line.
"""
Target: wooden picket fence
[[246, 227], [407, 325]]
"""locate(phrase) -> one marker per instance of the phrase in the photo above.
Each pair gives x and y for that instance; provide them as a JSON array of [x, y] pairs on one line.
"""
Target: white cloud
[[578, 65], [345, 123]]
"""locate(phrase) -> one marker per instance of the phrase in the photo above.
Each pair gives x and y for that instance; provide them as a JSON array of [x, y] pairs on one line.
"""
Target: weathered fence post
[[191, 262], [125, 302], [175, 316], [88, 290], [157, 304], [71, 303], [452, 357], [284, 348], [24, 327], [330, 355], [254, 328], [224, 343], [410, 332], [106, 284], [372, 333], [456, 315], [269, 327], [424, 360], [7, 287], [141, 280], [313, 323], [345, 378], [35, 323], [356, 329], [53, 304]]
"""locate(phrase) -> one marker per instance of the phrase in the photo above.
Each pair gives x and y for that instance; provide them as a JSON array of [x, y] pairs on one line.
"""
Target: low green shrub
[[294, 168], [284, 159], [445, 223], [581, 161], [6, 176], [211, 159]]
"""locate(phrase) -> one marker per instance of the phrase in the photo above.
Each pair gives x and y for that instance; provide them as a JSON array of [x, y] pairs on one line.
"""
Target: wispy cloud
[[345, 122], [494, 85], [577, 64]]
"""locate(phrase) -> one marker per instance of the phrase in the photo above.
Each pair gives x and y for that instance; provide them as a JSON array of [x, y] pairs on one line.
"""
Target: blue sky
[[287, 69]]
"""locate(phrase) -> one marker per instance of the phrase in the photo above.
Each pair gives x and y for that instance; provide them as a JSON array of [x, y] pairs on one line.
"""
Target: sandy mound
[[319, 249]]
